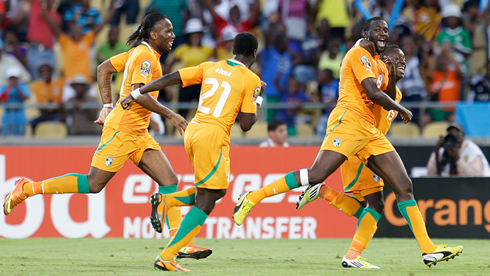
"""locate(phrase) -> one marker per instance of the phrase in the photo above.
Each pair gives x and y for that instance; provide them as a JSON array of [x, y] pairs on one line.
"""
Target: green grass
[[114, 256]]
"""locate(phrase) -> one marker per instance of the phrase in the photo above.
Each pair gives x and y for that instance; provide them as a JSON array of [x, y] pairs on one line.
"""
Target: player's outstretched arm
[[104, 78], [155, 85], [381, 98]]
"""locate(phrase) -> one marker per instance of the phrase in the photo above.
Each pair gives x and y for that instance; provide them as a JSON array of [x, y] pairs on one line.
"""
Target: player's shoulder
[[144, 52], [399, 94], [358, 52]]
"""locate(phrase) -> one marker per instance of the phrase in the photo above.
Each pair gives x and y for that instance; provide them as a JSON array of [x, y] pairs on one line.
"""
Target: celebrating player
[[352, 132], [228, 86], [358, 179], [125, 133]]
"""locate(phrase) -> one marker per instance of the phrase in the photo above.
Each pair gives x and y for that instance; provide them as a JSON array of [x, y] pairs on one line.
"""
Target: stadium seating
[[435, 129], [259, 130], [400, 129], [304, 130], [51, 129]]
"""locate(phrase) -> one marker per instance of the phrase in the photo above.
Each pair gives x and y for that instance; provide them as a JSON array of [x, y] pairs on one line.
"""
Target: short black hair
[[367, 24], [274, 124], [389, 48], [245, 44]]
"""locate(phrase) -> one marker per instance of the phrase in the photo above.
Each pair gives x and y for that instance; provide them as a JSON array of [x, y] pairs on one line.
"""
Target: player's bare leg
[[389, 166]]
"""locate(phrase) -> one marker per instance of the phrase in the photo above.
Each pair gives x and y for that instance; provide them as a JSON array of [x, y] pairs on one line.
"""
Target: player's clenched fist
[[127, 102], [178, 121], [406, 115]]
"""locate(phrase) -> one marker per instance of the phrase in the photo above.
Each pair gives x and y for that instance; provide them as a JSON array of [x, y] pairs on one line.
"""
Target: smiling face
[[378, 34], [398, 57], [163, 35]]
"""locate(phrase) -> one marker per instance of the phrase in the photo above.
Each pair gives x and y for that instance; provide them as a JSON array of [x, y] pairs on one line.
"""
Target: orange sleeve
[[252, 91], [361, 64], [384, 69], [192, 75], [399, 95], [144, 62], [89, 37], [119, 61]]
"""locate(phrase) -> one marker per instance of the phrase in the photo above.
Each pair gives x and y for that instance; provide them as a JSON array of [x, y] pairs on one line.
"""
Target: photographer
[[457, 156]]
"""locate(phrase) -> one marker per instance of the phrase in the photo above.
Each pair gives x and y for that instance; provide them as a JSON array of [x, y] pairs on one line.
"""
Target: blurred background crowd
[[50, 50]]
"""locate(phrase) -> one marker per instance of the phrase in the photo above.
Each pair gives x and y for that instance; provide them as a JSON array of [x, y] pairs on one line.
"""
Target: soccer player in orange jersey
[[367, 204], [125, 133], [228, 86], [352, 132]]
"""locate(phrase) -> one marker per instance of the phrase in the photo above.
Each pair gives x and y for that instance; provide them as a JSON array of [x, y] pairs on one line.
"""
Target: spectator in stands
[[427, 19], [278, 135], [456, 155], [18, 18], [412, 85], [76, 45], [331, 58], [15, 92], [7, 61], [480, 87], [337, 15], [80, 120], [111, 47], [47, 90], [306, 60], [291, 94], [276, 64], [445, 83], [190, 54], [130, 7], [235, 17], [14, 47], [40, 35], [295, 16], [83, 15], [455, 35], [328, 92], [225, 45], [474, 22]]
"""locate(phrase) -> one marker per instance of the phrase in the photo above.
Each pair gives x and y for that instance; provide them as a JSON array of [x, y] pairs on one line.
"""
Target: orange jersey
[[384, 118], [357, 66], [227, 85], [141, 65]]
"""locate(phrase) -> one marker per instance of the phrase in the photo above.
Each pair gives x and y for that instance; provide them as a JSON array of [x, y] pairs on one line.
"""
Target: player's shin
[[348, 205], [411, 213], [174, 216], [282, 185], [366, 227], [68, 183], [190, 227]]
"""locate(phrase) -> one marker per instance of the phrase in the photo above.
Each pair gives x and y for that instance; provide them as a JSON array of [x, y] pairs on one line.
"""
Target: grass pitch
[[117, 256]]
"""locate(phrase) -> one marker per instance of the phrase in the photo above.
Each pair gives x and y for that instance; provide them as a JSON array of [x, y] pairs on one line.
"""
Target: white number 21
[[222, 99]]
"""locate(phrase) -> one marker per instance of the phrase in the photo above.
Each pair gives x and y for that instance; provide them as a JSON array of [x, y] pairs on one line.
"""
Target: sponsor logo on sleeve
[[365, 61], [145, 68]]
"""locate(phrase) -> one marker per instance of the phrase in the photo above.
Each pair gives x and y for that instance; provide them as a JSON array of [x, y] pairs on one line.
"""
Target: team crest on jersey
[[109, 160], [336, 142], [365, 61], [256, 93], [375, 177], [145, 68]]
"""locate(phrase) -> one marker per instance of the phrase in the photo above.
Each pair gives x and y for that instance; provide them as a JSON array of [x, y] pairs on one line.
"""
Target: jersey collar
[[151, 48], [234, 62]]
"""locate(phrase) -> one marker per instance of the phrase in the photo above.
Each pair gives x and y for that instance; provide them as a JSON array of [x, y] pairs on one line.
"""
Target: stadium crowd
[[50, 50]]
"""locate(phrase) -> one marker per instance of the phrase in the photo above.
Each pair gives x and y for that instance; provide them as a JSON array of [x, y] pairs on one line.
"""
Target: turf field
[[114, 256]]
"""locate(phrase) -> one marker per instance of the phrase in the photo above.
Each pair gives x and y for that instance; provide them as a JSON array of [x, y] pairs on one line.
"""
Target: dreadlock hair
[[367, 24], [143, 31], [245, 44], [388, 49]]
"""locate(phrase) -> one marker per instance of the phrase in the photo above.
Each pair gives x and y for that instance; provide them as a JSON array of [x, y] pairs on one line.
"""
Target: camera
[[450, 141]]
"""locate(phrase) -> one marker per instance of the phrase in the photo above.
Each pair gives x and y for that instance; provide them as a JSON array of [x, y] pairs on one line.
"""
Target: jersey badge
[[365, 61], [336, 142], [109, 160], [256, 93], [375, 177], [145, 68]]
